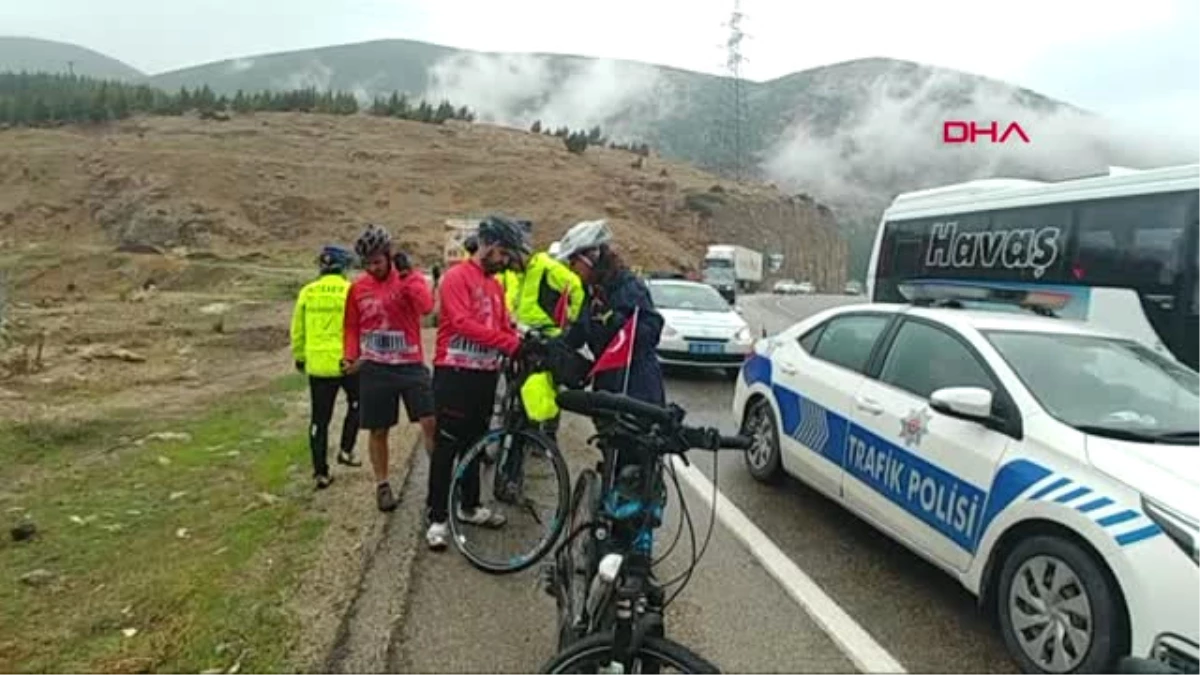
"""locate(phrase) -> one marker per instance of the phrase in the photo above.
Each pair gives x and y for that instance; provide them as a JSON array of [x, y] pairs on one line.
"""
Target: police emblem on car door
[[913, 427]]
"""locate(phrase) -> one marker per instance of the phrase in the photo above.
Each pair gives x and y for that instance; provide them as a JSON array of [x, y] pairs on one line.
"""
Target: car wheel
[[1058, 609], [762, 459]]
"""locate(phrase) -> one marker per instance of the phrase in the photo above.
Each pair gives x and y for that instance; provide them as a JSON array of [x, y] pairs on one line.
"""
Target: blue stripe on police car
[[956, 509]]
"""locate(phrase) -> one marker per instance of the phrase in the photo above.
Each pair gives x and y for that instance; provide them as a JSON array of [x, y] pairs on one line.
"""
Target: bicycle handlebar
[[601, 403]]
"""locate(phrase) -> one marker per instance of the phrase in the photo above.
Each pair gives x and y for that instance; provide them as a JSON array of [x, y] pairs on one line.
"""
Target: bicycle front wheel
[[527, 519], [594, 651]]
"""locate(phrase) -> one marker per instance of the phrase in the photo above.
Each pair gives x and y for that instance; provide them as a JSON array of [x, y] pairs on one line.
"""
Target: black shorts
[[381, 386]]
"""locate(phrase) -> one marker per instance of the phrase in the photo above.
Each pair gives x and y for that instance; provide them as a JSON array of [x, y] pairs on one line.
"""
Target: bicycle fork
[[634, 618]]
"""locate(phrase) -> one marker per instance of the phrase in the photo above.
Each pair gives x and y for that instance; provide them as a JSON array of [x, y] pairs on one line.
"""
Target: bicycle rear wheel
[[594, 651], [535, 517]]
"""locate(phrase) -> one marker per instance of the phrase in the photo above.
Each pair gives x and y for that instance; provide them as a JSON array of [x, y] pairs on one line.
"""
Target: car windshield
[[1105, 386], [688, 296]]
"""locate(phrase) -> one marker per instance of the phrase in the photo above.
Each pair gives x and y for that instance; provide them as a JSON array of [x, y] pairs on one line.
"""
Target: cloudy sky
[[1136, 62]]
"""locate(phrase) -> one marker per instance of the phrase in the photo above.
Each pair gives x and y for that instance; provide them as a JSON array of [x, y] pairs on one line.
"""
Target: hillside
[[277, 186], [852, 135], [36, 55]]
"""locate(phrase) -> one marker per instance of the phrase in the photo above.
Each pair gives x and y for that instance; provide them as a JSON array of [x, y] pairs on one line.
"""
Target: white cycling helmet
[[583, 236], [554, 248]]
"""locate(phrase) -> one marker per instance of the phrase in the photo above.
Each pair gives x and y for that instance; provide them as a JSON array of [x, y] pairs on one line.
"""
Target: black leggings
[[323, 393], [463, 400]]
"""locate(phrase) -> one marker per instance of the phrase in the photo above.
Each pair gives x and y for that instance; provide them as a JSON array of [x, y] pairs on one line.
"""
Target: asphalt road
[[925, 619], [462, 620]]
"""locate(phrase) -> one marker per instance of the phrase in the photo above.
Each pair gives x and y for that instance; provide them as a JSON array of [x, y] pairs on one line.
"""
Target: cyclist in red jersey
[[474, 334], [382, 343]]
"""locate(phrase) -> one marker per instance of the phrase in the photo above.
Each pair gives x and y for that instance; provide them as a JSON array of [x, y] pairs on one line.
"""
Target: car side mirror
[[967, 403]]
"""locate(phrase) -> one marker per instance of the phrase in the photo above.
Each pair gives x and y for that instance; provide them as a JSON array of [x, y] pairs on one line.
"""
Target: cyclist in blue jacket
[[613, 293]]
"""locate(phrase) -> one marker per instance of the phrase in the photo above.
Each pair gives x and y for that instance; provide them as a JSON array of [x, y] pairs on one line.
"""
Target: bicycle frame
[[622, 594]]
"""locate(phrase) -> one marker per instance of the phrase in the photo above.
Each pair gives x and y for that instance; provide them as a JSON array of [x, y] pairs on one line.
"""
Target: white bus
[[1120, 249]]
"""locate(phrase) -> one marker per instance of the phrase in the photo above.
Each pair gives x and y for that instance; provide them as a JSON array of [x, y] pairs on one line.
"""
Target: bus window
[[1133, 241], [900, 254], [1144, 243]]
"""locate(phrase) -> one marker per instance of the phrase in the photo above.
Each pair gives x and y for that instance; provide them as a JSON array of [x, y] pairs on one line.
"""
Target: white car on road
[[1050, 467], [700, 327]]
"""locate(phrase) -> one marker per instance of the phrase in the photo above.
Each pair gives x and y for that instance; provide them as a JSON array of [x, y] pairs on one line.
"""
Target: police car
[[1049, 466]]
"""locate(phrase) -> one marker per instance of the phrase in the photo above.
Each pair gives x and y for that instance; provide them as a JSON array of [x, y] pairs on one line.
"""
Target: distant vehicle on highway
[[732, 269], [792, 287], [784, 287], [701, 329], [853, 287], [1049, 465]]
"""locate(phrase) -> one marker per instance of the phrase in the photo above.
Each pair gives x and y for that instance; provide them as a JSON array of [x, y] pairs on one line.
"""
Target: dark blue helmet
[[334, 259]]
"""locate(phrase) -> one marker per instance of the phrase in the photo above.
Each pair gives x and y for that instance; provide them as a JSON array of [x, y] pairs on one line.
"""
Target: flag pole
[[629, 359]]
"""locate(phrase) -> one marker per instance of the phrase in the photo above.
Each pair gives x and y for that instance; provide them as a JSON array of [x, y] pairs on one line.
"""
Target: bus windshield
[[1144, 244]]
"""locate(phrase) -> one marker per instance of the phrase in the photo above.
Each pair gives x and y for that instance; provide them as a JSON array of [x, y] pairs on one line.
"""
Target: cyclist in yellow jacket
[[542, 293], [317, 348]]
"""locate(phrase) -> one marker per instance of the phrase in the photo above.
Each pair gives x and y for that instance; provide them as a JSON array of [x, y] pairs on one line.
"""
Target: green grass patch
[[194, 543]]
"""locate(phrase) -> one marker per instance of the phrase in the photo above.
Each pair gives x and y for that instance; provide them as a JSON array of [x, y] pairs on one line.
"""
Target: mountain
[[852, 134], [33, 55]]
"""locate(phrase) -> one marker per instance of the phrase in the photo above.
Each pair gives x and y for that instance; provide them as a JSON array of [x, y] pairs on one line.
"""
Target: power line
[[735, 121]]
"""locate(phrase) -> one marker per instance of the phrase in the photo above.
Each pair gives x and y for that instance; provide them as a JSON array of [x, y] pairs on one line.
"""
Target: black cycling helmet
[[471, 243], [372, 240], [506, 233]]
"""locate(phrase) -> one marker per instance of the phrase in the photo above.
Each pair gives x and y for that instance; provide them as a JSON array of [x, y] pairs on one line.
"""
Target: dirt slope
[[280, 184]]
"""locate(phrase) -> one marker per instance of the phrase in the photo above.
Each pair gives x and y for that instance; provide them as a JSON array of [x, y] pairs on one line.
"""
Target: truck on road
[[730, 269]]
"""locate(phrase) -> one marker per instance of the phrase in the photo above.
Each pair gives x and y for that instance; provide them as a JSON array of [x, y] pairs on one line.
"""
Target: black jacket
[[605, 311]]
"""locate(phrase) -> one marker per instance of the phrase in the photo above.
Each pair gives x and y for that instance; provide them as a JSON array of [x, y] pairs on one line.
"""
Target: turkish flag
[[619, 352], [561, 310]]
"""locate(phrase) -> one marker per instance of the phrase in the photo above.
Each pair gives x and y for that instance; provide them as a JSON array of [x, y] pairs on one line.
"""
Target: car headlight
[[743, 335], [1182, 530]]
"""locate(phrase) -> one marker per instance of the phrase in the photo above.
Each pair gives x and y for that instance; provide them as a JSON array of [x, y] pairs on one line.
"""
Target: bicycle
[[610, 605], [509, 414], [506, 449]]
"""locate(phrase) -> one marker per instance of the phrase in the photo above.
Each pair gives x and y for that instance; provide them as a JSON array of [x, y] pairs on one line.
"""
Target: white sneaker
[[482, 516], [437, 536]]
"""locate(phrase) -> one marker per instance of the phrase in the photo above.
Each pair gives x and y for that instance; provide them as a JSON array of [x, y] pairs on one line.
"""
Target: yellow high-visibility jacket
[[539, 297], [317, 325]]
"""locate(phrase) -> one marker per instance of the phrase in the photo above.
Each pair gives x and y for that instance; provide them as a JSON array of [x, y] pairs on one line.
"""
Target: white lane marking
[[867, 654]]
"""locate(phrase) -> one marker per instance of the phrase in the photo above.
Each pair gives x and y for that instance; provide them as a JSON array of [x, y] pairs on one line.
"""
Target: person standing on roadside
[[474, 333], [316, 333], [382, 343]]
